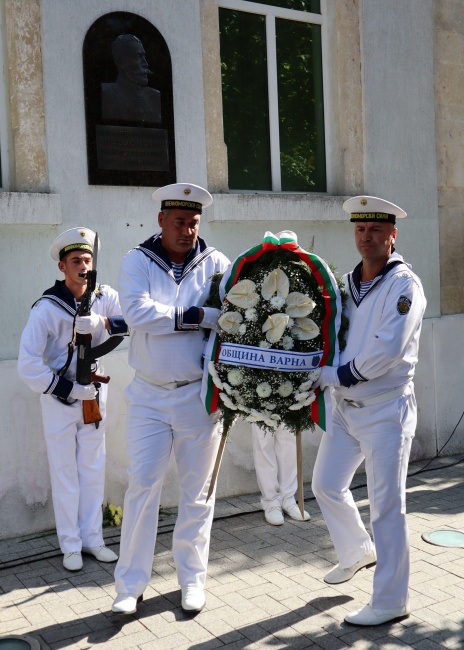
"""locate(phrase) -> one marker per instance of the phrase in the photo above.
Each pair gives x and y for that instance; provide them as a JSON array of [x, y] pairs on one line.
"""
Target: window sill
[[27, 208], [276, 207]]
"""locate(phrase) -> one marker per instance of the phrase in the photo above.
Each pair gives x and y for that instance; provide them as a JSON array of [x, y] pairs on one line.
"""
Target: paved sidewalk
[[264, 589]]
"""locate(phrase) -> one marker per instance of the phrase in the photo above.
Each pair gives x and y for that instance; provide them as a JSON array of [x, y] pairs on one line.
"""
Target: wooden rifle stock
[[90, 411]]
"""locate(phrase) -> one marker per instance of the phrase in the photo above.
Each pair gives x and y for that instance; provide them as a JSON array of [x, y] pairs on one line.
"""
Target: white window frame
[[5, 139], [271, 13]]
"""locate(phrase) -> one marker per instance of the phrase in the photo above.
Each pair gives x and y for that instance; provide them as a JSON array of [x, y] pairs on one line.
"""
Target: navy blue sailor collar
[[153, 249], [63, 297], [354, 278]]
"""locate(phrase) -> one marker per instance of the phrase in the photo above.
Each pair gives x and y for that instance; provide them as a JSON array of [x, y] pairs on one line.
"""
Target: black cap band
[[373, 216], [183, 205], [76, 247]]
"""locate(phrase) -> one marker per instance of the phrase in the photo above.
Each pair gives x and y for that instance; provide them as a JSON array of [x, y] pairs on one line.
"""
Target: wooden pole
[[299, 470], [217, 465]]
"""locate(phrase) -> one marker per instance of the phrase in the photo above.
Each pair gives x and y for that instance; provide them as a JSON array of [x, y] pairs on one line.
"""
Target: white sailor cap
[[75, 239], [371, 208], [184, 196]]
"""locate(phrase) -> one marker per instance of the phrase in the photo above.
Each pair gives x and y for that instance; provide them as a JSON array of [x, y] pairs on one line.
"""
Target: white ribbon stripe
[[255, 357]]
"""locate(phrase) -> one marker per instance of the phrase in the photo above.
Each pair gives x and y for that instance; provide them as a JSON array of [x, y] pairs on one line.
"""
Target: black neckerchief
[[354, 279], [153, 249]]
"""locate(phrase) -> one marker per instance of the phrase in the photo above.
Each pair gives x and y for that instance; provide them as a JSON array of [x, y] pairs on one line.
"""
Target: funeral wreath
[[280, 321]]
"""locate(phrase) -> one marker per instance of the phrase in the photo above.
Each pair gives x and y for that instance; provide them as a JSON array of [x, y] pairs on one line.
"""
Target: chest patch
[[403, 305]]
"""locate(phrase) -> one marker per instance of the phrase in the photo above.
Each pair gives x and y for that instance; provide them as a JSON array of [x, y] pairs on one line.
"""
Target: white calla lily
[[299, 305], [274, 326], [305, 329], [276, 282], [230, 322], [243, 294]]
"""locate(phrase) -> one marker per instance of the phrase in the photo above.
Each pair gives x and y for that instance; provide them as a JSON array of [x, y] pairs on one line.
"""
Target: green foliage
[[213, 299]]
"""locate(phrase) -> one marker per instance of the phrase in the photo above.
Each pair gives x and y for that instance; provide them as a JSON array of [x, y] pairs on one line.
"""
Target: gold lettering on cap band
[[76, 247], [372, 216], [188, 205]]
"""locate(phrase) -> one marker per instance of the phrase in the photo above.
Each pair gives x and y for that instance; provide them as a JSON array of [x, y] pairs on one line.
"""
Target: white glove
[[90, 324], [328, 377], [83, 392], [210, 319]]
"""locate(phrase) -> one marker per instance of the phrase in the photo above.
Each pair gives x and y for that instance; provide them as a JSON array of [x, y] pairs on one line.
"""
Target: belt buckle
[[351, 402]]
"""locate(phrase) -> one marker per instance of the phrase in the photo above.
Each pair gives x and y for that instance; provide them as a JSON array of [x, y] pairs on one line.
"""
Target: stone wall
[[449, 103], [28, 165]]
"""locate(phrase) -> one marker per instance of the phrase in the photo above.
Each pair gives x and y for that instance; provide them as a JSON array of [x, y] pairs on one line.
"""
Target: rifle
[[86, 357]]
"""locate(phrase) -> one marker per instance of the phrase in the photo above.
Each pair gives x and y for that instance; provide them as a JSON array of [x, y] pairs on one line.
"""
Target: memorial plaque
[[128, 103], [132, 148]]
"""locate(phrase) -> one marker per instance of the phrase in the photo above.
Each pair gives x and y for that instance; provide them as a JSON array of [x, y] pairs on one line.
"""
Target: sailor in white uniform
[[375, 413], [76, 451], [274, 455], [163, 286]]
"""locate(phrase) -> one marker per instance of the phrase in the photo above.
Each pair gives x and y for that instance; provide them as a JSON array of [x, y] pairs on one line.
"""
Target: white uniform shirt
[[382, 341], [166, 343], [44, 341]]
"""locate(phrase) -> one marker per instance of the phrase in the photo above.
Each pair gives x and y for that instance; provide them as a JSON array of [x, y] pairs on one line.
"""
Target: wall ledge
[[283, 206], [29, 208]]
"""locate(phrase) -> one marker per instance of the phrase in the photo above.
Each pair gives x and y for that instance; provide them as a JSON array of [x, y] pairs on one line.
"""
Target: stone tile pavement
[[264, 590]]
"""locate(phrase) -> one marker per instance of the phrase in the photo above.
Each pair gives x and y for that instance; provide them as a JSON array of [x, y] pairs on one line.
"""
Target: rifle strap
[[62, 371], [107, 346], [97, 398]]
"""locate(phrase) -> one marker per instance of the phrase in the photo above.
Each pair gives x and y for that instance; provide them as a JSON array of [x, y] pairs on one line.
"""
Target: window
[[272, 91]]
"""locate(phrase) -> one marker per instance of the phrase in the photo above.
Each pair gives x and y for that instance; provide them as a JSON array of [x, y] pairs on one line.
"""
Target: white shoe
[[193, 598], [293, 511], [101, 553], [337, 574], [274, 516], [72, 561], [370, 616], [126, 603]]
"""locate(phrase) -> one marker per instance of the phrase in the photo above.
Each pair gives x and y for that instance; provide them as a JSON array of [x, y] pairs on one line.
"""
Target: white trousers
[[382, 435], [76, 457], [275, 465], [159, 420]]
